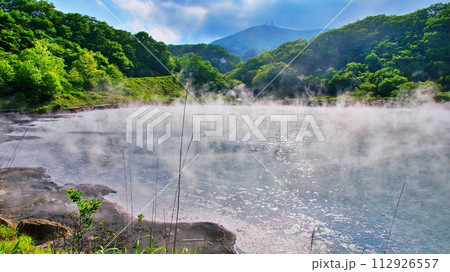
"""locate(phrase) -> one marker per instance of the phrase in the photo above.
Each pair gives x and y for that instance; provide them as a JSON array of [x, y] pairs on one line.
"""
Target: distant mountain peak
[[257, 39]]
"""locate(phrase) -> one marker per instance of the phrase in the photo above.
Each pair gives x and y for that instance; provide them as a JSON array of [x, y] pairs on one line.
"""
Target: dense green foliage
[[201, 73], [218, 56], [23, 22], [82, 221], [49, 59], [46, 55], [52, 60], [379, 56], [164, 88]]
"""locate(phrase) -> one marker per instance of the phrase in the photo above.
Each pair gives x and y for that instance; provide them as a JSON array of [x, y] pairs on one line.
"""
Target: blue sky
[[196, 21]]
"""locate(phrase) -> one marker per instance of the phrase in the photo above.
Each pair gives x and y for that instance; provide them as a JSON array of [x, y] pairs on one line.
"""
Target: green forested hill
[[49, 59], [46, 55], [218, 56], [52, 59], [23, 22], [377, 56]]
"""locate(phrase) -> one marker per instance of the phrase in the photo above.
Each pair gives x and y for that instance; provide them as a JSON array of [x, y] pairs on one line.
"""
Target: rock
[[32, 194], [219, 239], [7, 223], [89, 190], [42, 230]]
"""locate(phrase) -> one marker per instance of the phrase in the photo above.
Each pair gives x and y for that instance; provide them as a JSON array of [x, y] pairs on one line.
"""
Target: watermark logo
[[251, 127], [142, 123]]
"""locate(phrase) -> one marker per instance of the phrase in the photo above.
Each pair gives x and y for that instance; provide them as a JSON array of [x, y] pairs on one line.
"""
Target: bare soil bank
[[30, 193]]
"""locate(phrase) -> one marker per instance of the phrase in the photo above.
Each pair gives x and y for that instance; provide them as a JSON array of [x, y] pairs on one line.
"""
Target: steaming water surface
[[271, 193]]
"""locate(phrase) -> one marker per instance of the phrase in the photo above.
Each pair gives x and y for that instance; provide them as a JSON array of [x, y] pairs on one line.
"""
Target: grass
[[160, 89], [319, 100], [13, 243], [146, 89], [166, 89], [84, 229], [442, 97], [163, 89]]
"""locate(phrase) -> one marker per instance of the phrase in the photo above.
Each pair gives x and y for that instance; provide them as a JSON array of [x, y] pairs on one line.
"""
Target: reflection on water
[[345, 188]]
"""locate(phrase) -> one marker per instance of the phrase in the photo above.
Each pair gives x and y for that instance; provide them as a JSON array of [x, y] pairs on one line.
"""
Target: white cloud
[[165, 34], [197, 12], [165, 21], [184, 17], [158, 32], [182, 21], [136, 7]]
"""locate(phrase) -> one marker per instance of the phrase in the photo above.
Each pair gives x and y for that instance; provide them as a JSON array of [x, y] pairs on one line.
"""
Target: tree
[[145, 52], [388, 80], [192, 66], [218, 56], [91, 69], [285, 83], [410, 47], [373, 62], [7, 74], [40, 74]]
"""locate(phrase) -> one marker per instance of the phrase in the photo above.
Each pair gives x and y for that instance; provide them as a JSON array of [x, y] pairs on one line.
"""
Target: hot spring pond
[[272, 192]]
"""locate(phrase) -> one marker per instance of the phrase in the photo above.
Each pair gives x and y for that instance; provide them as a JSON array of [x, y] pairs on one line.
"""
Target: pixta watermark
[[142, 124]]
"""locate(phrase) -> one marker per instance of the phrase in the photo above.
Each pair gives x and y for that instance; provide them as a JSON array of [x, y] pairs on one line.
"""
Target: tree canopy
[[218, 56], [45, 53], [374, 56]]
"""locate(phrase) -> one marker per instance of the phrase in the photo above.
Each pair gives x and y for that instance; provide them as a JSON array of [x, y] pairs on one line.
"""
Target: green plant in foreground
[[82, 221], [86, 240], [150, 249], [86, 208]]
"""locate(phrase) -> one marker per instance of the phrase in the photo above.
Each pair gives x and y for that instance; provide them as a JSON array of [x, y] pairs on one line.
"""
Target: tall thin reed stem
[[172, 214], [11, 159], [155, 198], [125, 180], [179, 174], [393, 218], [126, 188], [312, 240], [131, 196]]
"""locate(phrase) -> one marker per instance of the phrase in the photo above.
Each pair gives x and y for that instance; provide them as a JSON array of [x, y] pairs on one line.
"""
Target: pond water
[[268, 187]]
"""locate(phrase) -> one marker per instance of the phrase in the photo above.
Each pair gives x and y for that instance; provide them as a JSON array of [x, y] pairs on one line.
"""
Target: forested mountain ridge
[[50, 59], [25, 21], [377, 56], [255, 40], [47, 56]]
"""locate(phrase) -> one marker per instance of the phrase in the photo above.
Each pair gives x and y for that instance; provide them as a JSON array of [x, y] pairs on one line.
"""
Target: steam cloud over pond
[[271, 193]]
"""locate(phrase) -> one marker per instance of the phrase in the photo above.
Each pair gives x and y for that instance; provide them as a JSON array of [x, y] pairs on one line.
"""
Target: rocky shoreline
[[28, 193]]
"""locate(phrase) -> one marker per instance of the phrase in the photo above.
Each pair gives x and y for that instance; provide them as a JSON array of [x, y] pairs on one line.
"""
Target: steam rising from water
[[345, 187]]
